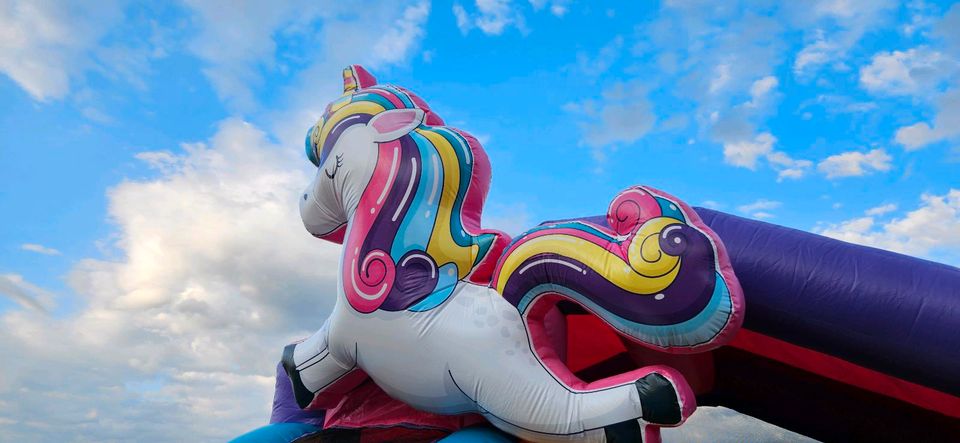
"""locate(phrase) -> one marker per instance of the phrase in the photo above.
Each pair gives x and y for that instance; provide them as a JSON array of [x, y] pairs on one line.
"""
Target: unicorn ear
[[355, 77], [395, 123]]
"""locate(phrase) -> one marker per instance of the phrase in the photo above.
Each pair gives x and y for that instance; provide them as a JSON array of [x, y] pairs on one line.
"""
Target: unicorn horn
[[355, 77]]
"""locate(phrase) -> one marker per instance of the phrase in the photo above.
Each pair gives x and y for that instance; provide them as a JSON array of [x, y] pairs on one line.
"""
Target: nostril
[[673, 240], [304, 197]]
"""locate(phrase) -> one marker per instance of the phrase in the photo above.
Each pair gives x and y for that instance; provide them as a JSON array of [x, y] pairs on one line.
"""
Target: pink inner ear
[[394, 120]]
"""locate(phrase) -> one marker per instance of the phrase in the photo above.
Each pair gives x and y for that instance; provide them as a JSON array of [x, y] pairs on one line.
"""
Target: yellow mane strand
[[342, 111], [442, 247]]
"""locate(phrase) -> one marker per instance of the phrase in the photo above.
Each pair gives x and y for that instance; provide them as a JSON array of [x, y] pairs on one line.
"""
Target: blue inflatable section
[[277, 433], [478, 435], [288, 432]]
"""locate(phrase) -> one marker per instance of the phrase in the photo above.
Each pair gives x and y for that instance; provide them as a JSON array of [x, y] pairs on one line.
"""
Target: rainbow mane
[[416, 231]]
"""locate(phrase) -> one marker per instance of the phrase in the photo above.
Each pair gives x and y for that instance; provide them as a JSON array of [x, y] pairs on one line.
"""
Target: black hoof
[[659, 400], [624, 432], [300, 392]]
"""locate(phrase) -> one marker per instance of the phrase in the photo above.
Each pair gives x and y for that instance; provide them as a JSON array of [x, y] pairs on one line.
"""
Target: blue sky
[[152, 153]]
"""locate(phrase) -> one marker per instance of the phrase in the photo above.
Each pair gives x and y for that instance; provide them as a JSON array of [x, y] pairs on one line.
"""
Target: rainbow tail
[[652, 270]]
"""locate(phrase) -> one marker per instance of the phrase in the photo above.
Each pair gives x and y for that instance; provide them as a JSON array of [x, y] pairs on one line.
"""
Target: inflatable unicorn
[[451, 318]]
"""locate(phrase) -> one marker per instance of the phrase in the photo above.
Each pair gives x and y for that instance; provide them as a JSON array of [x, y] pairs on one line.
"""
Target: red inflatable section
[[590, 344], [846, 372]]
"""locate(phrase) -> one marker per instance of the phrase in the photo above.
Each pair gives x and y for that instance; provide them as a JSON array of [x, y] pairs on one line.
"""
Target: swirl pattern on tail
[[655, 272]]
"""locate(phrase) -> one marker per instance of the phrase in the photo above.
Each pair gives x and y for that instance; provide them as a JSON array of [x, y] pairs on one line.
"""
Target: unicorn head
[[402, 192]]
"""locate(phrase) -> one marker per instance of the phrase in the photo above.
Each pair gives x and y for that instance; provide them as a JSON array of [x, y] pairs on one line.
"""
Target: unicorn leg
[[312, 368], [521, 396]]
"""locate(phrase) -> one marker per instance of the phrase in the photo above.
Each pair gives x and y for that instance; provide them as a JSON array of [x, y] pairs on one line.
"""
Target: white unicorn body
[[490, 363]]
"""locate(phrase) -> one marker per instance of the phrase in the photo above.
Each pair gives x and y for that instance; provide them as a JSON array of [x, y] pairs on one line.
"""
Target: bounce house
[[604, 328]]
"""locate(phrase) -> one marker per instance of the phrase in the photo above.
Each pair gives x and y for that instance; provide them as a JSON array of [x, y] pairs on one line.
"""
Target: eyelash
[[336, 168]]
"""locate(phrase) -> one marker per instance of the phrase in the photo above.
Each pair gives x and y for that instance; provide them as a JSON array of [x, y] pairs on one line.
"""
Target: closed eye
[[336, 168]]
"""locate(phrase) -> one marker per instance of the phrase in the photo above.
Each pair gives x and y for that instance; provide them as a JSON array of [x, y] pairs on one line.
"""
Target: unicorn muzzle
[[321, 220]]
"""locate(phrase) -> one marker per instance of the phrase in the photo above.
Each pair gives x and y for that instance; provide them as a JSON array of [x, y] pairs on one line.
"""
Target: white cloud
[[743, 149], [164, 161], [760, 204], [46, 46], [495, 15], [26, 294], [833, 28], [762, 88], [882, 209], [176, 338], [39, 249], [623, 116], [342, 42], [855, 163], [931, 231], [722, 58], [945, 126], [816, 53], [387, 33], [558, 8], [396, 43], [760, 208], [948, 28], [794, 173], [917, 135], [675, 122], [921, 18], [236, 41], [605, 57], [788, 167], [914, 71], [463, 19], [833, 104], [492, 17], [95, 115], [745, 153], [720, 78]]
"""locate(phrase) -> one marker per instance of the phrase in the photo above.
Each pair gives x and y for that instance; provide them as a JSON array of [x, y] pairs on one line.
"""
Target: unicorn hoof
[[628, 431], [659, 400], [300, 392]]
